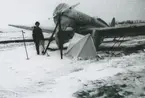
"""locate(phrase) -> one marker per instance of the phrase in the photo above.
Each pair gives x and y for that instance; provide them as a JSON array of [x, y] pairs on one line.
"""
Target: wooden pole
[[50, 39], [25, 45], [60, 37]]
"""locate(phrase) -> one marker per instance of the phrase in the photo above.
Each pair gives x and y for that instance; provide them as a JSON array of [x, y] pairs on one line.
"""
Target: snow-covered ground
[[50, 77]]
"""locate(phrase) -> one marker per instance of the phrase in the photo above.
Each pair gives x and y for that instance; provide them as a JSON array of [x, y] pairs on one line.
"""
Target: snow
[[50, 77]]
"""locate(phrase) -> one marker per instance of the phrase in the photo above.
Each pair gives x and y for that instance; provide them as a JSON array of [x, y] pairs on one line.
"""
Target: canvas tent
[[83, 49]]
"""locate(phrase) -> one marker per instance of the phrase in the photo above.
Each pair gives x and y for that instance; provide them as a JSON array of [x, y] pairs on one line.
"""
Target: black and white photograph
[[72, 48]]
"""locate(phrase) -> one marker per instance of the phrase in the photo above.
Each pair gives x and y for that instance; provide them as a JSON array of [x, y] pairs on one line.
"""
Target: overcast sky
[[26, 12]]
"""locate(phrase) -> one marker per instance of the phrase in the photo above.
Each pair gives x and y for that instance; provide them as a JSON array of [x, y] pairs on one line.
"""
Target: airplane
[[69, 21]]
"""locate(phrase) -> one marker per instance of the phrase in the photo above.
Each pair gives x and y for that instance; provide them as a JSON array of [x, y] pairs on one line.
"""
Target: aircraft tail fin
[[112, 22]]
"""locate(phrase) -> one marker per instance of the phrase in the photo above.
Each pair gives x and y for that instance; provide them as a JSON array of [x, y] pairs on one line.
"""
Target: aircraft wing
[[128, 30], [50, 30]]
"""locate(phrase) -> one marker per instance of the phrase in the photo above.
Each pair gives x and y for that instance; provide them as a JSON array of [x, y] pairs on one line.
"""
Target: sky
[[26, 12]]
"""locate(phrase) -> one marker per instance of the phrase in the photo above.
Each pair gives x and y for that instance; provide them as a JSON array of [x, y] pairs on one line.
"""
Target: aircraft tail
[[112, 22]]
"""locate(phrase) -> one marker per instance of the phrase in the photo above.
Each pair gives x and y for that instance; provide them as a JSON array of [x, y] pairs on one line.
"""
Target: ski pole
[[25, 45]]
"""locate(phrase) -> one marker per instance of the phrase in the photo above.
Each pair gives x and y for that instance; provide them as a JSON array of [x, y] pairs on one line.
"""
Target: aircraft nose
[[60, 8]]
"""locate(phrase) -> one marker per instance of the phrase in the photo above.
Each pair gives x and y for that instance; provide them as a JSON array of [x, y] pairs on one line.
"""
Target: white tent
[[83, 49]]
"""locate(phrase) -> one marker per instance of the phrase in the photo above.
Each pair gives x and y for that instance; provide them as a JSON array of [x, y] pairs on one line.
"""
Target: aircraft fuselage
[[76, 20]]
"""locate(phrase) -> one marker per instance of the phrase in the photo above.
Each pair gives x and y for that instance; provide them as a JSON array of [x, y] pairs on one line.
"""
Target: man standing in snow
[[38, 37]]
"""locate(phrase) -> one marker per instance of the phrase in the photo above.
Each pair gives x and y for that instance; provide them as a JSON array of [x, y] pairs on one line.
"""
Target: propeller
[[58, 25]]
